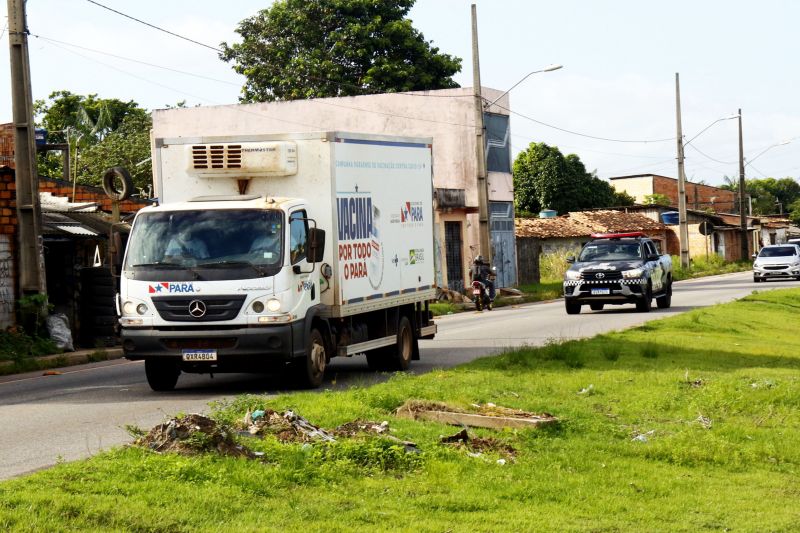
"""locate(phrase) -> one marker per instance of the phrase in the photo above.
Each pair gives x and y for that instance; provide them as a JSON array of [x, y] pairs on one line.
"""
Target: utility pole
[[742, 191], [682, 221], [31, 258], [480, 146]]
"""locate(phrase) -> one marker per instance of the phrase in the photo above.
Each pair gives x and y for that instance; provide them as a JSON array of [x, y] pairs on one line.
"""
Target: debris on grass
[[587, 390], [704, 421], [477, 446], [286, 427], [192, 435], [643, 437], [488, 415]]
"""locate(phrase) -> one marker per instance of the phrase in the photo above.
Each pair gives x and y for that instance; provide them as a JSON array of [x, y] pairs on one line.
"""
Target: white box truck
[[280, 250]]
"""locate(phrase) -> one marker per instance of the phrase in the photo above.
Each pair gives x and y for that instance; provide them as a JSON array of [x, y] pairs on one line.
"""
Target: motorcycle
[[481, 296]]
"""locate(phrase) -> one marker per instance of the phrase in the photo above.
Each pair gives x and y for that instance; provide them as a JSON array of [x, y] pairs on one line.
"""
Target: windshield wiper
[[163, 265], [225, 264]]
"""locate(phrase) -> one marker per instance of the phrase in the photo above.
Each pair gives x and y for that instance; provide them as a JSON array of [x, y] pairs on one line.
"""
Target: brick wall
[[697, 196], [84, 193]]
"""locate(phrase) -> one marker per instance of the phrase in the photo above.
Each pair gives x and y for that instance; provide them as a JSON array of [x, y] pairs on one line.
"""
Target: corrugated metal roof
[[75, 229]]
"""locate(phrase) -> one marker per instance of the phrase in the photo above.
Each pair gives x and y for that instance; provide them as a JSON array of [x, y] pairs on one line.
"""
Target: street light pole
[[682, 220], [742, 212]]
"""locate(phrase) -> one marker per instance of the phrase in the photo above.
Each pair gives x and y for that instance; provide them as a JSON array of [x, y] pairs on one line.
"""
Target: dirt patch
[[286, 427], [488, 415], [479, 446], [361, 427], [192, 435]]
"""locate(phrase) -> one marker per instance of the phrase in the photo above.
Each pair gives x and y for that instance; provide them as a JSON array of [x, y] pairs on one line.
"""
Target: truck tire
[[401, 353], [162, 375], [665, 301], [596, 307], [645, 304], [573, 308], [310, 370]]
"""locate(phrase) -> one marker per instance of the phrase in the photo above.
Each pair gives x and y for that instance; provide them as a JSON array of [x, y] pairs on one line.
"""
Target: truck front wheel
[[645, 303], [162, 374], [310, 369], [573, 308], [665, 301]]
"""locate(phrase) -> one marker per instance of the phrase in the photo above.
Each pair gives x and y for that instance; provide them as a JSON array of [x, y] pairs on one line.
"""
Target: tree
[[299, 49], [101, 133], [657, 199], [545, 178]]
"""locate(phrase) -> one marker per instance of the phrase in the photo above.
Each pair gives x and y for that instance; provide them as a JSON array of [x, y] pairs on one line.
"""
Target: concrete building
[[698, 196], [448, 116]]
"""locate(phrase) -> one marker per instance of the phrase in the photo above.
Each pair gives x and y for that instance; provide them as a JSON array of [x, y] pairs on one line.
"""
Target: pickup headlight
[[633, 273], [572, 275]]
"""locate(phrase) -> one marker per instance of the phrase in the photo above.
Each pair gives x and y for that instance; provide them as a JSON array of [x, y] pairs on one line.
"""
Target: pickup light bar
[[617, 235]]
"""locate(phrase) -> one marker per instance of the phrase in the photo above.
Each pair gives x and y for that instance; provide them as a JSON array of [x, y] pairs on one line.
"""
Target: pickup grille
[[592, 276], [177, 309]]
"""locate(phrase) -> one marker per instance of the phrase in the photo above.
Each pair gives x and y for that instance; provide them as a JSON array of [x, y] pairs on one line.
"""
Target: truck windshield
[[610, 251], [214, 240]]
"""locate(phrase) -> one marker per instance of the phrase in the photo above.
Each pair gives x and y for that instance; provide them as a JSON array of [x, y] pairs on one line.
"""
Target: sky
[[617, 82]]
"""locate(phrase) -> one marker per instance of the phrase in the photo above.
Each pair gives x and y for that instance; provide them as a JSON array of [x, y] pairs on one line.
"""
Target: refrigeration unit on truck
[[280, 251]]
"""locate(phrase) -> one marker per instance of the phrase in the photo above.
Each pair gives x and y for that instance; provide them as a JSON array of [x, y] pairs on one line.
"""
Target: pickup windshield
[[778, 251], [610, 251], [247, 240]]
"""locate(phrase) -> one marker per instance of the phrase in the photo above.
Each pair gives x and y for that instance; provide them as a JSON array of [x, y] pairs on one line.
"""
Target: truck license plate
[[600, 292], [199, 355]]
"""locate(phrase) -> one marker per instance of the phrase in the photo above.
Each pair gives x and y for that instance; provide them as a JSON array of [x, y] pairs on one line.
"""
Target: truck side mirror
[[316, 244], [570, 259]]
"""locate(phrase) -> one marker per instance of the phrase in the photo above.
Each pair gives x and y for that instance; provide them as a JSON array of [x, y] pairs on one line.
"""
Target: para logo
[[172, 288], [411, 212]]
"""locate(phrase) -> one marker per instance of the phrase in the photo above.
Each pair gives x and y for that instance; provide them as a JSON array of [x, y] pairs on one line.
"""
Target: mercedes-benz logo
[[600, 275], [197, 308]]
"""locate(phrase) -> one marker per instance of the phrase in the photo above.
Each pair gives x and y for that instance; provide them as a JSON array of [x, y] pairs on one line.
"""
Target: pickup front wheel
[[573, 308], [645, 304]]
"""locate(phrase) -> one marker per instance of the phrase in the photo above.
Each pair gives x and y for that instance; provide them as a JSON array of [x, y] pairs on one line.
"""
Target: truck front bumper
[[236, 349], [605, 292]]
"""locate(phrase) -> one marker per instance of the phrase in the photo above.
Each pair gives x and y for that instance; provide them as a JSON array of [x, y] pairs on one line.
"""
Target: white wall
[[6, 283]]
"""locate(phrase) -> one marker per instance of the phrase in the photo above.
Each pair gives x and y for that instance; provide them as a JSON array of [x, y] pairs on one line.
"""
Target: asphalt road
[[44, 419]]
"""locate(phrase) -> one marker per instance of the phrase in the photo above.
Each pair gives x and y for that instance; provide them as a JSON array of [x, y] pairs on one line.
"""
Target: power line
[[135, 60], [154, 26], [711, 158], [644, 141]]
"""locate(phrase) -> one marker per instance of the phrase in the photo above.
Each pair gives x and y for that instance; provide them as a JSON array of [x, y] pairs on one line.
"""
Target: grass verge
[[684, 424]]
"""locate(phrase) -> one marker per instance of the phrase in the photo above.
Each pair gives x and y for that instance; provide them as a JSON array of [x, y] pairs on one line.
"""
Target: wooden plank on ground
[[480, 421]]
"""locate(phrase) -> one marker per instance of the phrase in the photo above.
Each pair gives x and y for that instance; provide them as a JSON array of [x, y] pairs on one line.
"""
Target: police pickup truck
[[618, 268]]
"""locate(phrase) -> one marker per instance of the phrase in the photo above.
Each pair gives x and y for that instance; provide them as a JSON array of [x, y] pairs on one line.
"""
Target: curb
[[78, 357]]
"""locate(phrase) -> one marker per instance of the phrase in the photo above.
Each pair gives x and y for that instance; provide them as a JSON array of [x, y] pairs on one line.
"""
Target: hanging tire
[[310, 370], [109, 185], [665, 301], [162, 374]]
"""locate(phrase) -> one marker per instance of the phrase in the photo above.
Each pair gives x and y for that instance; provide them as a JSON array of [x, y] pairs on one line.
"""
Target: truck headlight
[[273, 305], [258, 307], [572, 275], [141, 309], [633, 273]]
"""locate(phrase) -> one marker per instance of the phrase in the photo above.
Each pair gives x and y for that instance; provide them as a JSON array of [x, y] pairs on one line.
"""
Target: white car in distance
[[777, 261]]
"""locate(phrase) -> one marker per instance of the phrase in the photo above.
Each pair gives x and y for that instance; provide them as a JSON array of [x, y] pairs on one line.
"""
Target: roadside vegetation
[[682, 424], [710, 265]]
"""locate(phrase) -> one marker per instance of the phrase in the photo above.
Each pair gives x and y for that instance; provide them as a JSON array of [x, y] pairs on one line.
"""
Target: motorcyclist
[[481, 271]]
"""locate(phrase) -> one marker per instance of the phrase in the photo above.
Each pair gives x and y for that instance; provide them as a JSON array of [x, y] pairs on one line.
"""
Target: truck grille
[[215, 308], [592, 276]]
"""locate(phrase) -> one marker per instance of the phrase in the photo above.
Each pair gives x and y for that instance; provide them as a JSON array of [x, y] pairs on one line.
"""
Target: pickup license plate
[[199, 355], [600, 292]]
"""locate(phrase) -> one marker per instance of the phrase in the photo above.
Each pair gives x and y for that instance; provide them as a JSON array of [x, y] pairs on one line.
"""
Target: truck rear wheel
[[162, 374], [665, 301], [310, 370], [399, 355]]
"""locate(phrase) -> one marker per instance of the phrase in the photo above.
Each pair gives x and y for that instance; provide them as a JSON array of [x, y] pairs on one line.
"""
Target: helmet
[[479, 259]]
